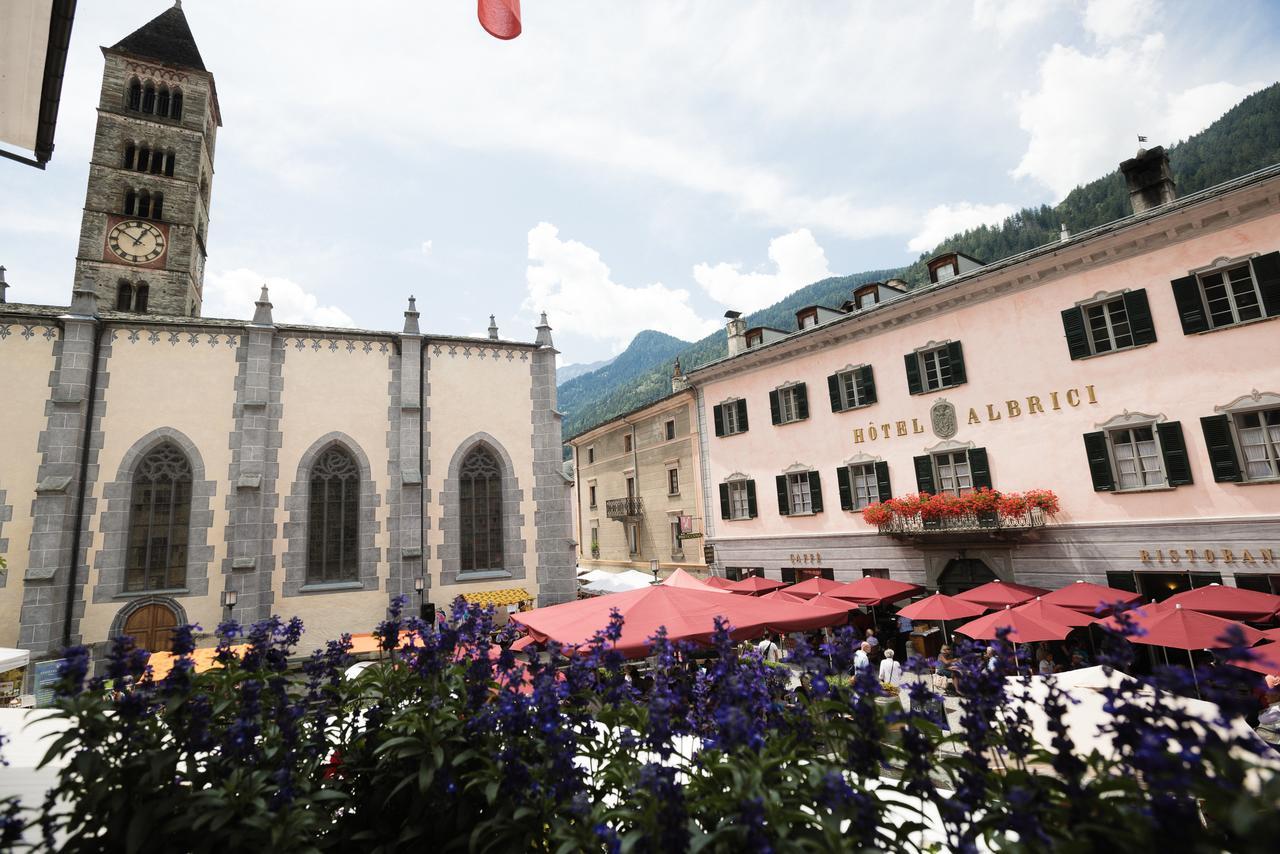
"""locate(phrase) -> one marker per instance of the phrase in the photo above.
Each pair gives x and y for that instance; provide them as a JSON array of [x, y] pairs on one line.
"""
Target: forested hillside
[[1245, 139]]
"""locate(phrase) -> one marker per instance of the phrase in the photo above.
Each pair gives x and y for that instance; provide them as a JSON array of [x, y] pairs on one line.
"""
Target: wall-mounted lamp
[[229, 599], [653, 567], [419, 584]]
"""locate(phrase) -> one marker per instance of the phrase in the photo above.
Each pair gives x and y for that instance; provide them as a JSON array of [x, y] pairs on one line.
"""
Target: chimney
[[736, 329], [679, 382], [1149, 179]]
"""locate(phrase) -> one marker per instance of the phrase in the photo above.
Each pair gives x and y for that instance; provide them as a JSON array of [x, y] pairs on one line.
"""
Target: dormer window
[[755, 339], [807, 319]]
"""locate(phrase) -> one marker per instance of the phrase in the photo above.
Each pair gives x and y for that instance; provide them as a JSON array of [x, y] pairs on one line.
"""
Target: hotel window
[[1136, 456], [737, 573], [670, 429], [626, 443], [730, 417], [738, 499], [789, 404], [1109, 324], [862, 484], [799, 493], [1260, 583], [875, 573], [1255, 434], [851, 388], [935, 367], [794, 574], [955, 472], [1236, 293], [673, 481]]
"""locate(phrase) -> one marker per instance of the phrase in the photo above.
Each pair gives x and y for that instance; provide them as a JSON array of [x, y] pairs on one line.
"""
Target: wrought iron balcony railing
[[624, 508], [968, 523]]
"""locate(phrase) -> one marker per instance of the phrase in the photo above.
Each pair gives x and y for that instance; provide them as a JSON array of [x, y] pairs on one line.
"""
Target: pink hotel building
[[1133, 369]]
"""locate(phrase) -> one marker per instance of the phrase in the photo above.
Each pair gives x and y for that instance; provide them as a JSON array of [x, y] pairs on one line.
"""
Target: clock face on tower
[[136, 242]]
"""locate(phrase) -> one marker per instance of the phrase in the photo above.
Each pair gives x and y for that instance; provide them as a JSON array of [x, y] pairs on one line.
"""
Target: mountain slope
[[649, 354], [1244, 139], [568, 372]]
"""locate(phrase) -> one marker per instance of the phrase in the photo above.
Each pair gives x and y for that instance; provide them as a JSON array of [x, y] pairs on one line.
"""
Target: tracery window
[[159, 521], [333, 520], [480, 512]]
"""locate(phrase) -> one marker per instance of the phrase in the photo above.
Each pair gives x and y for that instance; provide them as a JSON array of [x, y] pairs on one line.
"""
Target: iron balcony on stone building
[[624, 508]]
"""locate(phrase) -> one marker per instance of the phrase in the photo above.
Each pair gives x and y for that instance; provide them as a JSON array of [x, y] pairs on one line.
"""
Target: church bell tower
[[146, 213]]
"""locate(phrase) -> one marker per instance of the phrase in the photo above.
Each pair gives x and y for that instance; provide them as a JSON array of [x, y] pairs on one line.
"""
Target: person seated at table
[[890, 670], [1078, 661], [947, 664]]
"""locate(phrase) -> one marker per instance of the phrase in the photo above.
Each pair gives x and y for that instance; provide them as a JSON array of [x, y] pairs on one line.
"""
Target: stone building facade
[[159, 468], [638, 488]]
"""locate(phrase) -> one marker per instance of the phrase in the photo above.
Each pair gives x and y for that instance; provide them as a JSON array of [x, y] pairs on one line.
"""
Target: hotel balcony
[[624, 508], [984, 525]]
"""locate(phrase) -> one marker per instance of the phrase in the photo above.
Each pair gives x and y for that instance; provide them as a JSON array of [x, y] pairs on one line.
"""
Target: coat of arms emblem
[[942, 417]]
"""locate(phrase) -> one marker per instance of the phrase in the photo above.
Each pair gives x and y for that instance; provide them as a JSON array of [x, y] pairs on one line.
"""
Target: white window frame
[[938, 355], [788, 404], [868, 492], [739, 504], [846, 378], [729, 412], [1270, 443], [957, 476], [1109, 324], [1114, 444], [1224, 270], [799, 496]]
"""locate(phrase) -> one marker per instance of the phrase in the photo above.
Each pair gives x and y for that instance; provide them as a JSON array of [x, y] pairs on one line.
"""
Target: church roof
[[167, 38]]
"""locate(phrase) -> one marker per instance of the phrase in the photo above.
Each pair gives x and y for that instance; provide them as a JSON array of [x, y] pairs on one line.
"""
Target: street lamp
[[427, 613], [653, 567], [229, 599]]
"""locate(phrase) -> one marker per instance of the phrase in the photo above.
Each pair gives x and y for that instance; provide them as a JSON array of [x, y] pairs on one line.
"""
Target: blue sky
[[629, 165]]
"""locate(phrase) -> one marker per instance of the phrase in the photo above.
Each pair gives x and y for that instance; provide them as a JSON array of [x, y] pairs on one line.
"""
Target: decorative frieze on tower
[[146, 213]]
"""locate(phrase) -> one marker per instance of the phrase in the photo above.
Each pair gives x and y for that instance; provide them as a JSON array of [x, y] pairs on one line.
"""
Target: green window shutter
[[913, 374], [924, 474], [724, 501], [802, 401], [784, 500], [752, 512], [1095, 449], [815, 491], [1186, 294], [845, 485], [868, 381], [1177, 467], [775, 407], [742, 415], [955, 355], [1266, 268], [1139, 312], [883, 491], [1073, 328], [1222, 448], [979, 468], [833, 389], [717, 412]]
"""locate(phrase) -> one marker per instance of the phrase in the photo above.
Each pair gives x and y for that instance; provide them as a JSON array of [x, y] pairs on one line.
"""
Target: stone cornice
[[1234, 202]]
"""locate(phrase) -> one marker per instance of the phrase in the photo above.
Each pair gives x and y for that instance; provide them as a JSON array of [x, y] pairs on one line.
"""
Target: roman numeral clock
[[136, 242]]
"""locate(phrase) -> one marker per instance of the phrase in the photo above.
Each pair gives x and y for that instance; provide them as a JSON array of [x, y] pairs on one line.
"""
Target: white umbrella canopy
[[619, 582]]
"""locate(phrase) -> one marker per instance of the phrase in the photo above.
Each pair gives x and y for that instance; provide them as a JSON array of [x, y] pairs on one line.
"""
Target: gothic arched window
[[149, 99], [140, 294], [333, 518], [130, 202], [124, 296], [168, 164], [135, 95], [162, 102], [144, 203], [175, 105], [159, 521], [480, 500], [157, 206], [129, 153]]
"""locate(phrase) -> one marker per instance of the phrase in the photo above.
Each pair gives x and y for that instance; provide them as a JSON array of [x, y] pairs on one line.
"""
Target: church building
[[159, 467]]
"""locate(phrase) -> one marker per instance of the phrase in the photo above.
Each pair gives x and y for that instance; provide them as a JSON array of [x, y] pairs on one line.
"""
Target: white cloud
[[945, 220], [426, 248], [1090, 108], [569, 281], [232, 293], [1009, 17], [797, 259], [1113, 20]]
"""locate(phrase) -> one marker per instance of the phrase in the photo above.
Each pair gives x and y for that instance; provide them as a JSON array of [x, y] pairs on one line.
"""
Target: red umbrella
[[811, 587], [1232, 603], [1268, 661], [1086, 597], [717, 582], [500, 18], [997, 594], [1023, 627], [939, 606], [754, 585], [687, 615], [1049, 613], [1181, 628], [680, 578], [1271, 634], [820, 603], [876, 591]]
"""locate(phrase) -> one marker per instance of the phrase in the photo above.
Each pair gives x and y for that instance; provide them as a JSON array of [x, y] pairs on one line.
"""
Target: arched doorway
[[961, 574], [152, 627]]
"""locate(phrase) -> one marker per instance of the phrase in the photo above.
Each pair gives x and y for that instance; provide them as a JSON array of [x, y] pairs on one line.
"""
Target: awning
[[11, 659], [34, 35], [505, 596]]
